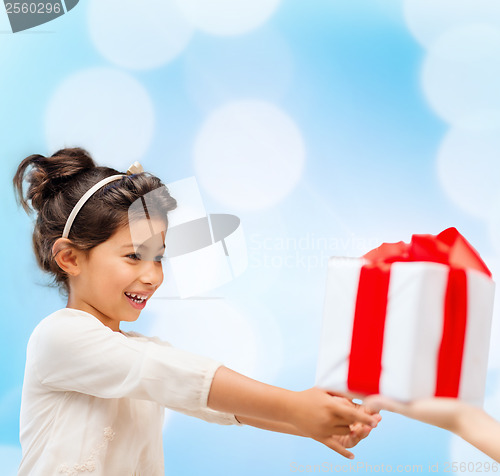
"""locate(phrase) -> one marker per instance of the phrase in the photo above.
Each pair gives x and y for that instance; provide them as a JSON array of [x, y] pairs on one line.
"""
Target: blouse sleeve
[[73, 351]]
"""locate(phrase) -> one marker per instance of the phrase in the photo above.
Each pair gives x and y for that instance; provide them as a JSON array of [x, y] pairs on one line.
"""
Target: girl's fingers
[[353, 415], [336, 446], [340, 430], [361, 432], [356, 409], [352, 429]]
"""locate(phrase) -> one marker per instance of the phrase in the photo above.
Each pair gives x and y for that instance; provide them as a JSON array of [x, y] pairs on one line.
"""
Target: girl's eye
[[138, 257]]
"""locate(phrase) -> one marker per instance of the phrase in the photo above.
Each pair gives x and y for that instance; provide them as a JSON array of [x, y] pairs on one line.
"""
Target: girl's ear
[[67, 256]]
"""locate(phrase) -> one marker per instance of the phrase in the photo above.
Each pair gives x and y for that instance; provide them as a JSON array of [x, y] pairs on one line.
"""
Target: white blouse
[[93, 399]]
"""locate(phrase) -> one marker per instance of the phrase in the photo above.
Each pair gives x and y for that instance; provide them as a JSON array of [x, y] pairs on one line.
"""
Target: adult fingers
[[379, 402]]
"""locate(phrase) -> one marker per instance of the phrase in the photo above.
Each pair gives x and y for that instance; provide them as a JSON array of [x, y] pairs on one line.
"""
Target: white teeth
[[135, 297]]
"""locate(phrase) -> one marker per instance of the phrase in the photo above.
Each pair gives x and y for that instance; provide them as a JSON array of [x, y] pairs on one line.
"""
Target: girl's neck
[[83, 306]]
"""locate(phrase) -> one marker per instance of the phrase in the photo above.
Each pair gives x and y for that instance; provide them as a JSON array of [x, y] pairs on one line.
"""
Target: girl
[[473, 424], [93, 396]]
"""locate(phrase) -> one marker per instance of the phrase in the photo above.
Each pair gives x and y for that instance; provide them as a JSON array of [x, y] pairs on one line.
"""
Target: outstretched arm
[[471, 423], [313, 413], [482, 431], [359, 431]]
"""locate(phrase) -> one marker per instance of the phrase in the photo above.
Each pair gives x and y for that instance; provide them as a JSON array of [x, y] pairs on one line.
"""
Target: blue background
[[348, 74]]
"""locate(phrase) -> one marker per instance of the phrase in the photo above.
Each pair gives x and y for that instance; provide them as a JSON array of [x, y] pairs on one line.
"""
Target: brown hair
[[56, 183]]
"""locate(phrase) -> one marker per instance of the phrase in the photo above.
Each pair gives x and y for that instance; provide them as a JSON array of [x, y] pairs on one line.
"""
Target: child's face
[[117, 279]]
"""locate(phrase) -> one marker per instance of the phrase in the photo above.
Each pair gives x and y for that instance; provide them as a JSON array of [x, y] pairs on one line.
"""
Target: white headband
[[135, 168]]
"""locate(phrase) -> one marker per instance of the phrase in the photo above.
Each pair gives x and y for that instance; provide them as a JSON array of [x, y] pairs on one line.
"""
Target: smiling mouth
[[136, 298]]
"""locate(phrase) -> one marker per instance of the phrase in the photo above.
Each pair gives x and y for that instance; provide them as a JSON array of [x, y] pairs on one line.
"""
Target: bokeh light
[[218, 70], [138, 34], [228, 17], [428, 19], [469, 169], [105, 110], [249, 155], [461, 74]]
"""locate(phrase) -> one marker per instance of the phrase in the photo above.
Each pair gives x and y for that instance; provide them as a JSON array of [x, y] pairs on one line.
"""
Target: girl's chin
[[132, 318]]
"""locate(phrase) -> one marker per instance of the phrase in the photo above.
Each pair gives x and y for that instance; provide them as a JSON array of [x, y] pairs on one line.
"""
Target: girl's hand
[[340, 443], [332, 420], [358, 432]]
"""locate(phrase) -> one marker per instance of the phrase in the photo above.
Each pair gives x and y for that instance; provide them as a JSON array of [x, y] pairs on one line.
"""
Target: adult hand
[[471, 423], [442, 412]]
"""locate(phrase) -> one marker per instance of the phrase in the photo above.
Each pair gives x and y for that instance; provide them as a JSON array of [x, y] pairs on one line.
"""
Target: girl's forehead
[[143, 229]]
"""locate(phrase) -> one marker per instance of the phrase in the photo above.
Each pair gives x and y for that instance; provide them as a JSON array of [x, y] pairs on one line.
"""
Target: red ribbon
[[365, 360]]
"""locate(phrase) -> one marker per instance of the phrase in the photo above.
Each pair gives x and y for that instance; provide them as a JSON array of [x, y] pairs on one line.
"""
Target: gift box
[[408, 321]]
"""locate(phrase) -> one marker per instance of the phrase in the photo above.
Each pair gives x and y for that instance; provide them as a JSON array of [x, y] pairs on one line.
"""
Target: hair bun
[[48, 174]]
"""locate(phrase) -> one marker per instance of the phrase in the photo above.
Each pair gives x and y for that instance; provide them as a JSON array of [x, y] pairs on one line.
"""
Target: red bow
[[449, 247]]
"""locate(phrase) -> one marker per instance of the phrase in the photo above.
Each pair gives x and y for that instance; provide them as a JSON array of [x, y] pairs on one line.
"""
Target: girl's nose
[[152, 273]]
